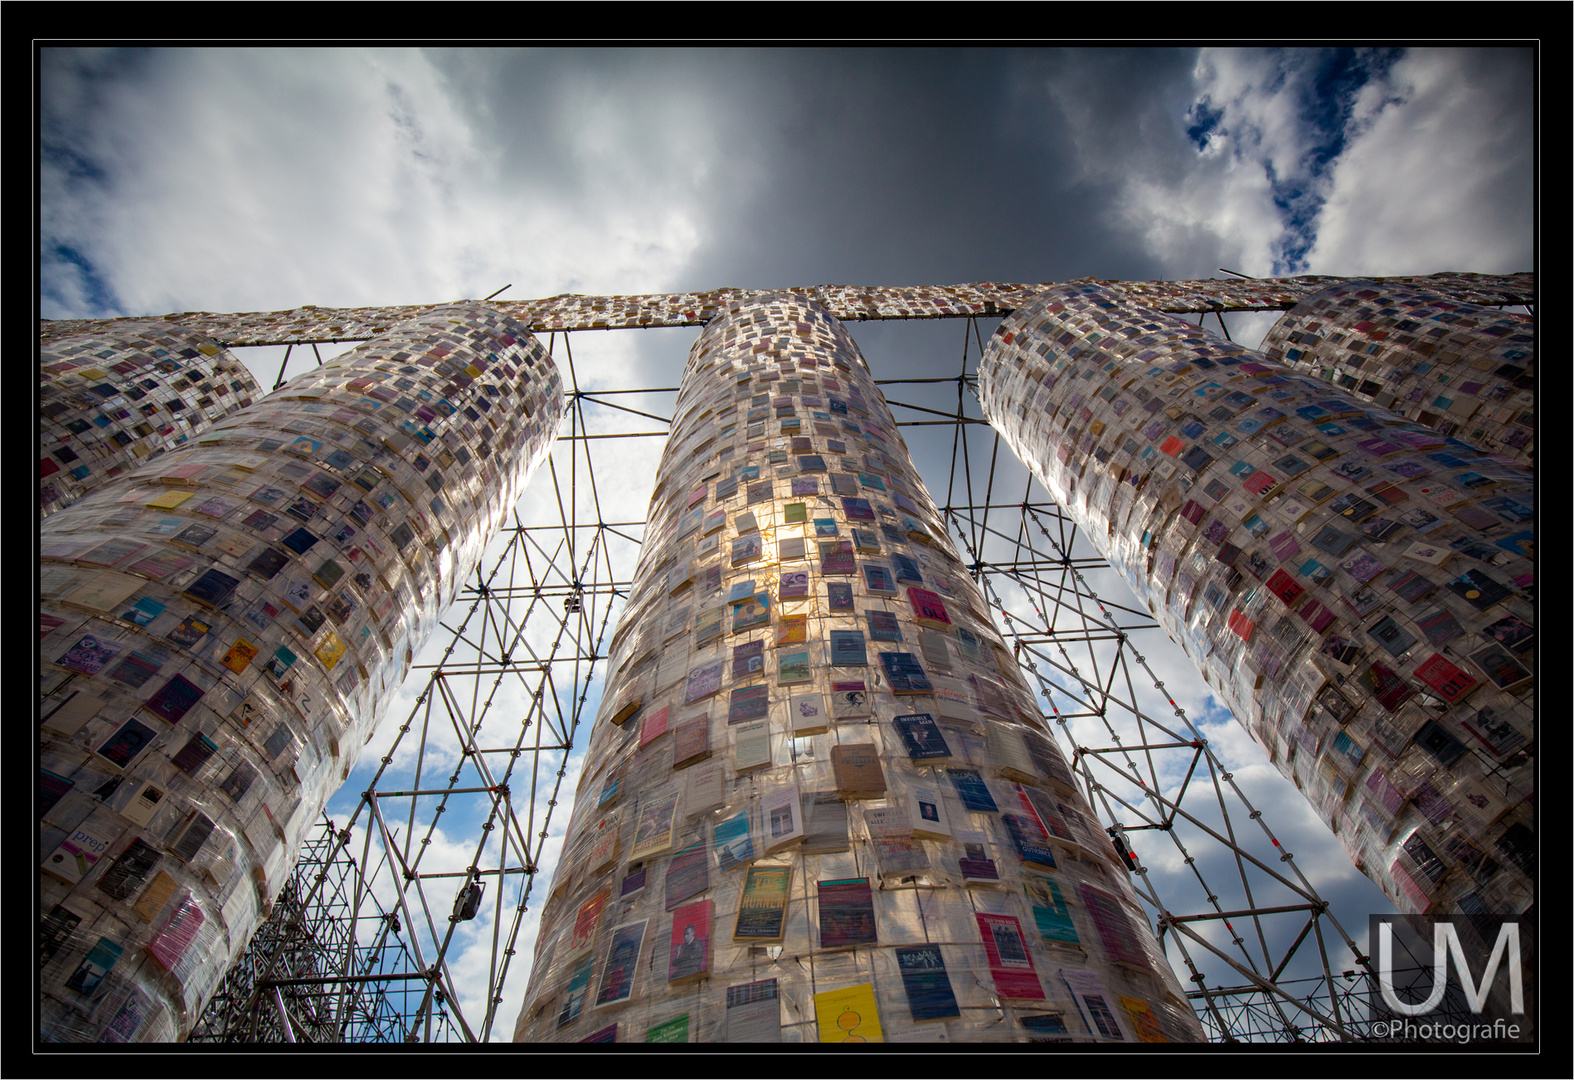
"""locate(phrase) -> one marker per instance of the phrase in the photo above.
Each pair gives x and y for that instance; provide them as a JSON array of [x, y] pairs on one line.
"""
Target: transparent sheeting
[[1357, 589], [823, 762], [112, 399], [221, 631], [1460, 369]]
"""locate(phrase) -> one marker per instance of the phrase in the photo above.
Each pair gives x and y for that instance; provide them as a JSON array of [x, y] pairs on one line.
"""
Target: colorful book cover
[[1009, 962], [653, 828], [1114, 926], [904, 673], [928, 986], [675, 1030], [878, 580], [754, 1012], [850, 700], [848, 1015], [839, 595], [1051, 913], [921, 737], [575, 993], [587, 920], [688, 874], [847, 649], [748, 703], [882, 626], [734, 841], [972, 790], [846, 913], [703, 681], [792, 630], [688, 954], [762, 908], [756, 611], [792, 667]]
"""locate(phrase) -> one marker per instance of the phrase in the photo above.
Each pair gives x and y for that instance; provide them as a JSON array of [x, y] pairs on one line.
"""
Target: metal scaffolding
[[447, 835]]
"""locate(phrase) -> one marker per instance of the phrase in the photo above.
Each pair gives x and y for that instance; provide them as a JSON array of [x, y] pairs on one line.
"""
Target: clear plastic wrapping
[[1356, 588], [818, 801], [221, 630]]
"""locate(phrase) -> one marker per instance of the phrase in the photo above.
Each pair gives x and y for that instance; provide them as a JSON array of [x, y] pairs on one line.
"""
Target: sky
[[258, 179]]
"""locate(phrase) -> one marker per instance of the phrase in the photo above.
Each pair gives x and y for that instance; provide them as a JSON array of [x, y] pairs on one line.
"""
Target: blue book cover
[[734, 842], [847, 649], [1031, 847], [972, 790], [928, 987], [905, 674], [921, 737]]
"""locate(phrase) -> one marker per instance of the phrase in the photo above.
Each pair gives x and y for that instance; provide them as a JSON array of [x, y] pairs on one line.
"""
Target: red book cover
[[1450, 682], [1009, 961], [688, 955]]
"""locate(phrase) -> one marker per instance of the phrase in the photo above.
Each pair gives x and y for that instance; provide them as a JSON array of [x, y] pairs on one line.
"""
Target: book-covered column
[[220, 632], [1357, 589], [112, 400], [1460, 369], [818, 803]]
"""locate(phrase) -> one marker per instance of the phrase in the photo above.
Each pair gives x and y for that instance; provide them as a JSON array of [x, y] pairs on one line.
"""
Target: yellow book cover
[[1143, 1019], [848, 1015], [169, 500], [330, 650], [240, 655]]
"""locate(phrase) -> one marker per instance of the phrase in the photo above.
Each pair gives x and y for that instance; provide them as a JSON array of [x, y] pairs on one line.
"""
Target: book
[[126, 874], [846, 913], [754, 1012], [654, 826], [141, 802], [857, 770], [1115, 928], [928, 609], [850, 700], [653, 726], [848, 1015], [1010, 753], [733, 838], [587, 920], [762, 906], [1030, 842], [928, 986], [1038, 806], [1143, 1020], [792, 667], [704, 788], [883, 626], [824, 823], [126, 744], [751, 747], [1010, 965], [740, 591], [972, 790], [866, 541], [1093, 1002], [755, 611], [688, 954], [790, 548], [90, 654], [926, 811], [575, 992], [691, 741], [839, 595], [847, 649], [836, 557], [688, 874], [900, 857], [975, 865], [781, 813], [746, 548], [675, 1030], [792, 630], [903, 672], [747, 703], [622, 963], [78, 854], [748, 659], [922, 739], [792, 584], [878, 580], [703, 681], [1051, 913], [708, 624], [808, 714]]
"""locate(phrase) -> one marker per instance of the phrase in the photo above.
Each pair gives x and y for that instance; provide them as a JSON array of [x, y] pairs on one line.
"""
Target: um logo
[[1446, 948]]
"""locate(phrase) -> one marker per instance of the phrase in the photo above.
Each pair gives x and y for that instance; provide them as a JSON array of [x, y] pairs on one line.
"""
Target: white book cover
[[926, 810], [781, 811]]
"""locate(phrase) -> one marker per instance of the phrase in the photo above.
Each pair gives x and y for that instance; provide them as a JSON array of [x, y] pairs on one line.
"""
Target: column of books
[[220, 631], [818, 802], [1356, 588], [113, 399], [1460, 369]]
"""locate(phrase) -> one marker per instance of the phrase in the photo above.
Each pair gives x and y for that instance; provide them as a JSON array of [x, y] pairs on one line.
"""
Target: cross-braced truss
[[453, 822]]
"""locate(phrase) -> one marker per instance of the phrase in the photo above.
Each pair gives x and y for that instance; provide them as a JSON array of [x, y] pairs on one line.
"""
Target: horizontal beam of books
[[849, 303]]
